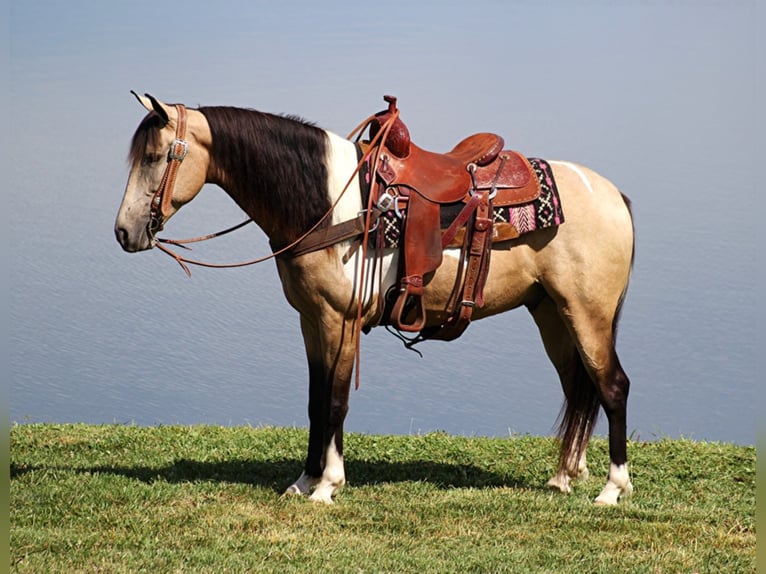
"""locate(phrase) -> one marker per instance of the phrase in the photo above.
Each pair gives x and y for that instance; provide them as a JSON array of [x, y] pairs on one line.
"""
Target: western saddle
[[478, 174], [421, 187]]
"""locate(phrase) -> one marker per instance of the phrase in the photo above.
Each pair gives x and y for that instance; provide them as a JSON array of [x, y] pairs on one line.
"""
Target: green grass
[[206, 499]]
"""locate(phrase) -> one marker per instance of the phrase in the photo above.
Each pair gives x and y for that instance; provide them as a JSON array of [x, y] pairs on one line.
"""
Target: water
[[100, 336]]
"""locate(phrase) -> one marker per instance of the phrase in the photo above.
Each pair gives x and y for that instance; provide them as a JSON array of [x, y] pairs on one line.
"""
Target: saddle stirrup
[[411, 290]]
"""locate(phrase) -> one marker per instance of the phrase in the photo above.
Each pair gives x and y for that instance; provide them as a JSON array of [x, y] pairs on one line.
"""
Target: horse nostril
[[122, 235]]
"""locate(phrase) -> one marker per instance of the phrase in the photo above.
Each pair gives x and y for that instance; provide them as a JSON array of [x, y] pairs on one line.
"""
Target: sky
[[663, 98]]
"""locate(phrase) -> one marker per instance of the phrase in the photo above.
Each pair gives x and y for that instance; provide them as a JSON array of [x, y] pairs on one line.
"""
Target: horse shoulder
[[316, 282]]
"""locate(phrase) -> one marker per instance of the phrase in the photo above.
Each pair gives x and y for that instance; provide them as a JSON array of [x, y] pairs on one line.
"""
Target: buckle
[[179, 156], [386, 200], [490, 194]]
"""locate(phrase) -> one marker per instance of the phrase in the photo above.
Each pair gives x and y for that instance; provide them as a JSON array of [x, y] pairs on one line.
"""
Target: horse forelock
[[273, 163], [146, 136]]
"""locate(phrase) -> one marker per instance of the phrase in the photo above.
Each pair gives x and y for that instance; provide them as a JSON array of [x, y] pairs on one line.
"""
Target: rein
[[160, 205]]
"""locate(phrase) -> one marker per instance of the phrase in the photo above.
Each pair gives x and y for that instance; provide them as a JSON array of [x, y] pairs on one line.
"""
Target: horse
[[289, 175]]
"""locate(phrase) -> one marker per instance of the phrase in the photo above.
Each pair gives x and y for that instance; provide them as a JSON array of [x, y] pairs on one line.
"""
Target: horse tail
[[579, 414]]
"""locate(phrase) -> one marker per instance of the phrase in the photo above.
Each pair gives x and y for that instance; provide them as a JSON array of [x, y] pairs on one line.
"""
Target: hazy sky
[[664, 98]]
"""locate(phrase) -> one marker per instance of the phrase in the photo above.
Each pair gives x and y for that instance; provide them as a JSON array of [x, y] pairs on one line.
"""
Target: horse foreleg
[[330, 353], [312, 471]]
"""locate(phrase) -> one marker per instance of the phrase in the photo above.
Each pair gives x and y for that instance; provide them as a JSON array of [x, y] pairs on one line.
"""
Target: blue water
[[98, 335]]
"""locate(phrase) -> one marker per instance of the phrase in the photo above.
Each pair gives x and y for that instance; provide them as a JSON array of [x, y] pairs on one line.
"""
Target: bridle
[[161, 202]]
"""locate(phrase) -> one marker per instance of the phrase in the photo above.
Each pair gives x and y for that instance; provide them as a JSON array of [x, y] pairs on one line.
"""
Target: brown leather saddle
[[476, 173]]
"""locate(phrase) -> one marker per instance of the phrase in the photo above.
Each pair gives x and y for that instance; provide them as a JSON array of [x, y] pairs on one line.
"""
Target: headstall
[[161, 202]]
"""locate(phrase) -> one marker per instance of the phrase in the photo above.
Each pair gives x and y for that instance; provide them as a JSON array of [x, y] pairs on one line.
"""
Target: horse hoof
[[612, 494], [321, 497], [291, 490], [559, 484], [303, 485], [617, 485]]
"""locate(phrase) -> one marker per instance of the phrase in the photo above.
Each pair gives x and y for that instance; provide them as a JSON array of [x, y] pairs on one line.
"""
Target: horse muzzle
[[133, 241]]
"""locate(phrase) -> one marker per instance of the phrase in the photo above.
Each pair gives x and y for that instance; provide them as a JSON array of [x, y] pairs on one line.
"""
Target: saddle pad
[[510, 222]]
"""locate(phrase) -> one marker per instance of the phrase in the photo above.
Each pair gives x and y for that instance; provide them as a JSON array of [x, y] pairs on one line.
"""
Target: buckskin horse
[[324, 200]]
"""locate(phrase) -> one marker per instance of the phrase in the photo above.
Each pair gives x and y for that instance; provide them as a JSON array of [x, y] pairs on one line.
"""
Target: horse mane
[[271, 163]]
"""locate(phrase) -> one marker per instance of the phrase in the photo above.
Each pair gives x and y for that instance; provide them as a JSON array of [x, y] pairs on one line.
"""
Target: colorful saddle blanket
[[509, 222]]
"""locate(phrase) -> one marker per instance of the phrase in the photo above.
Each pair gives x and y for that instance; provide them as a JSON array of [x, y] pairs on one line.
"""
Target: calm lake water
[[100, 336]]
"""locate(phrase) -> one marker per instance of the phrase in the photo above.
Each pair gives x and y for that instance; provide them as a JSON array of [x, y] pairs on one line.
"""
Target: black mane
[[271, 164]]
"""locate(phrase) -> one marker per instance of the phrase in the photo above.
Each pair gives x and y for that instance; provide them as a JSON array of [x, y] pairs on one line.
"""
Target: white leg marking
[[618, 484], [333, 477], [575, 168], [303, 485], [582, 468], [561, 481]]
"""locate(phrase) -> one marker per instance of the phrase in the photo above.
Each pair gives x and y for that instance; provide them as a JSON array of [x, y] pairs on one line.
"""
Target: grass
[[206, 499]]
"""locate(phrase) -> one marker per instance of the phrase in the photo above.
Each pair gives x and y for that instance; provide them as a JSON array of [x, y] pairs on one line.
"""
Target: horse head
[[169, 136]]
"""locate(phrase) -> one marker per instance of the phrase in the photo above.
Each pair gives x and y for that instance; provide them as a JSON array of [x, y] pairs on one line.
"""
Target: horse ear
[[152, 104], [144, 101]]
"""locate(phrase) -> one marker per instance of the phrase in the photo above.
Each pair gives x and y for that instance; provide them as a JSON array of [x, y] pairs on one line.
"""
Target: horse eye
[[151, 158]]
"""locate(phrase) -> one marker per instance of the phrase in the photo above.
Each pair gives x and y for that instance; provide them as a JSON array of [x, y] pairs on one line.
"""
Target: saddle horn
[[398, 140]]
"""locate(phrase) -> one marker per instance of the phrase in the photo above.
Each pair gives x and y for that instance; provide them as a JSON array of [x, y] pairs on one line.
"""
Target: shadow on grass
[[278, 474]]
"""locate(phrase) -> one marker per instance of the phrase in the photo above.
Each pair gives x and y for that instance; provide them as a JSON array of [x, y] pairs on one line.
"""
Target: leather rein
[[312, 240]]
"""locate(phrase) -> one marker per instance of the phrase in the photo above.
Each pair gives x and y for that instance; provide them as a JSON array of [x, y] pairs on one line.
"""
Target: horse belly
[[510, 282]]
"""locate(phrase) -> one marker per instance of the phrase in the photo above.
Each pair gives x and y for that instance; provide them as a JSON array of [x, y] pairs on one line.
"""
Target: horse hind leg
[[613, 392], [595, 336], [581, 403]]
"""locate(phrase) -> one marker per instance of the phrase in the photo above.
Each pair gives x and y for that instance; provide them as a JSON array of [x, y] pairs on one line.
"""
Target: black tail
[[579, 414]]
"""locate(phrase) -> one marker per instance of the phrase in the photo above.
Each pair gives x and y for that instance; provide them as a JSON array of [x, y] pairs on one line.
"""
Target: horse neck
[[273, 167]]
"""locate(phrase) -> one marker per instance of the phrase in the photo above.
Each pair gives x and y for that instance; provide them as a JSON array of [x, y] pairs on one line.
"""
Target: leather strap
[[479, 247], [327, 236], [461, 219], [178, 151], [163, 197]]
